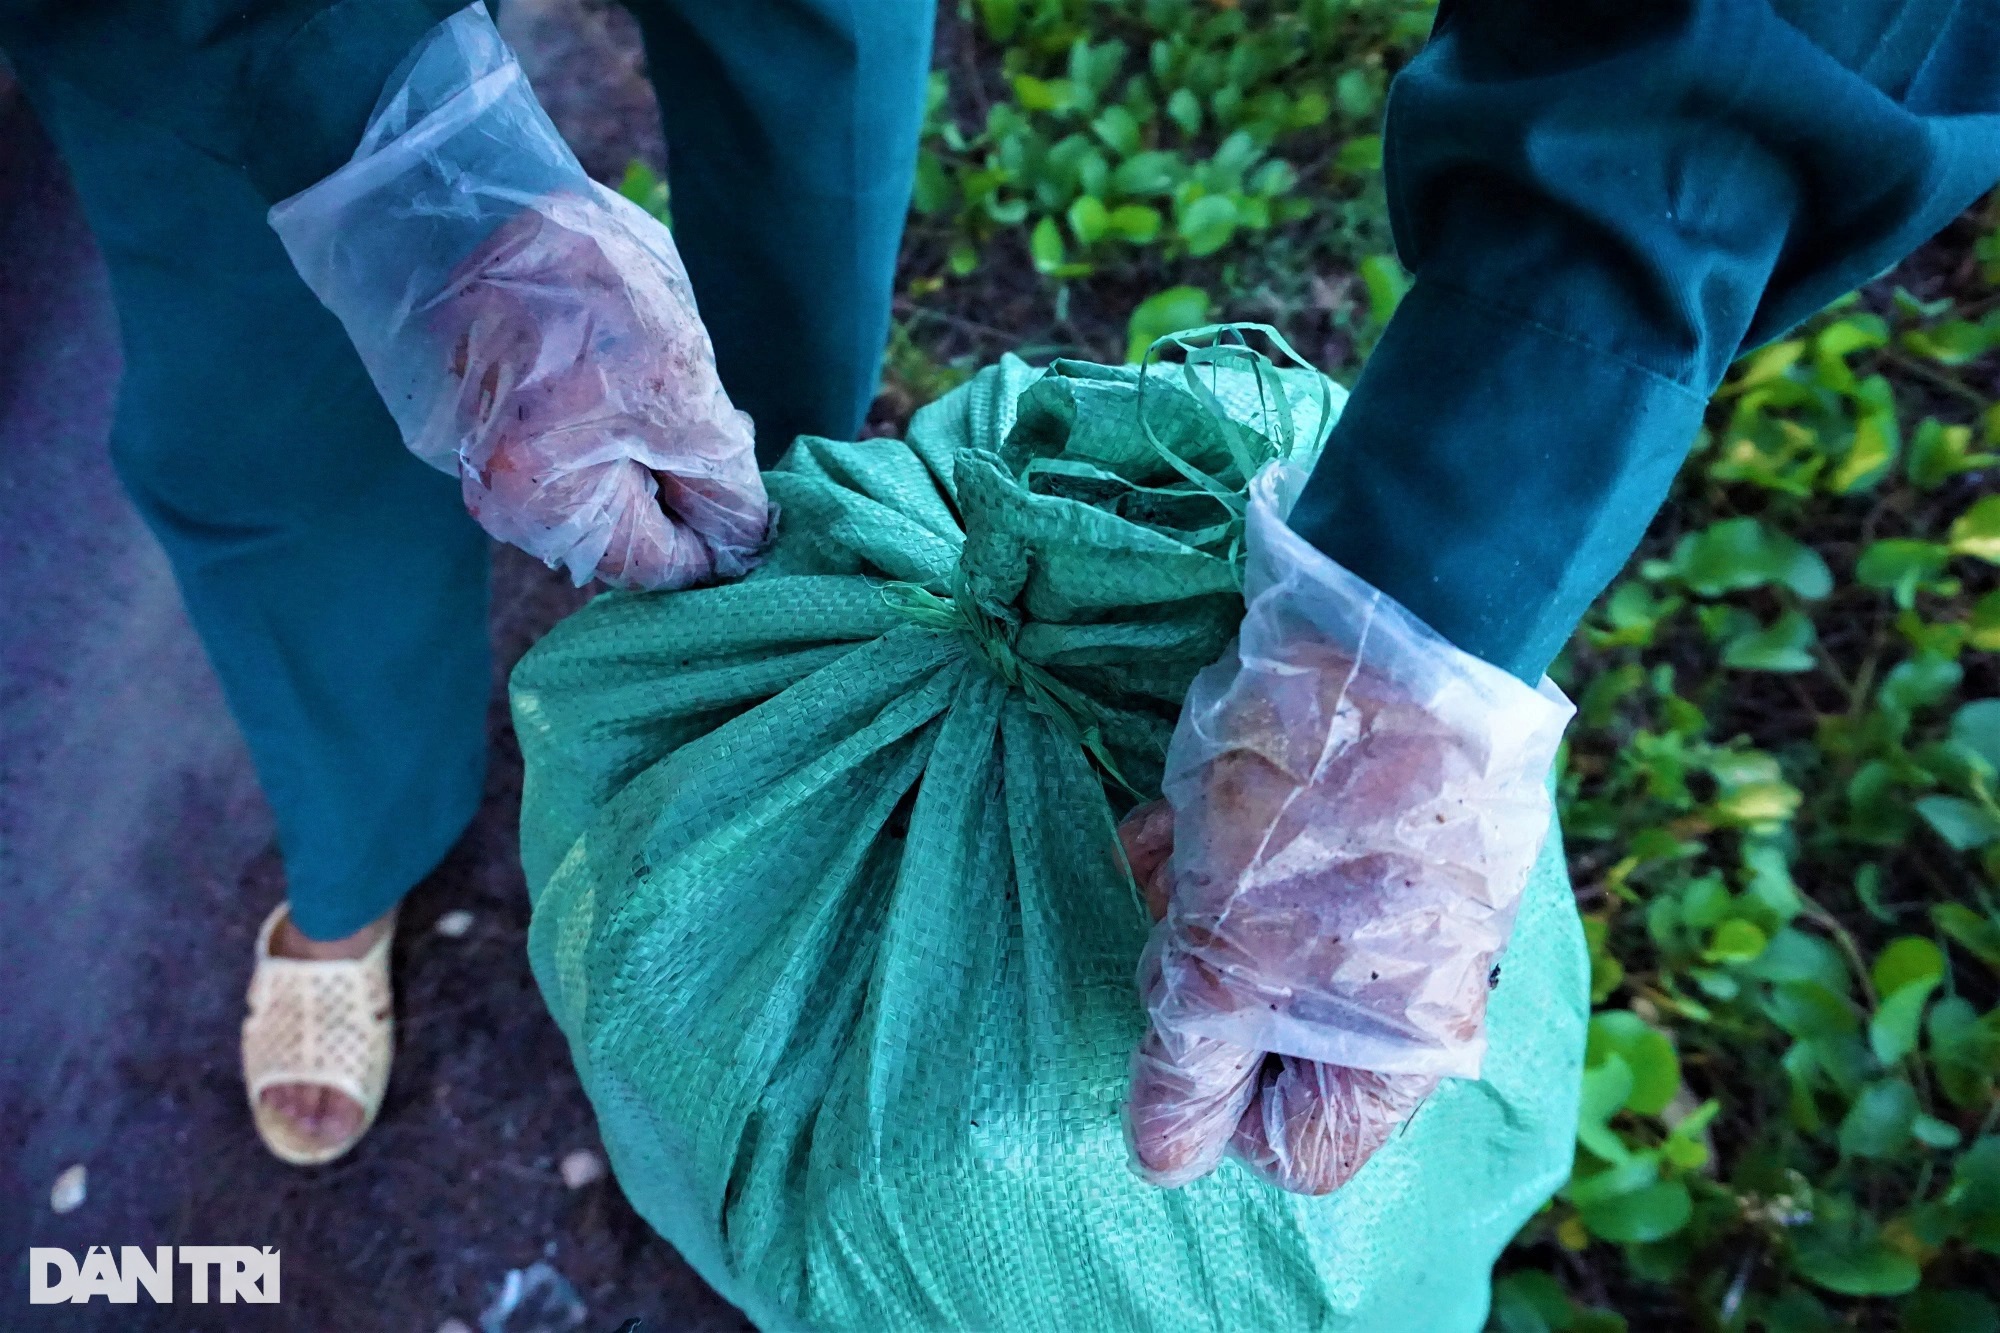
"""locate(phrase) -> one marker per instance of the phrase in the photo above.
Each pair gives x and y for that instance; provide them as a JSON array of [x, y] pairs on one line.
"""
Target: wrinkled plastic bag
[[830, 909], [532, 332]]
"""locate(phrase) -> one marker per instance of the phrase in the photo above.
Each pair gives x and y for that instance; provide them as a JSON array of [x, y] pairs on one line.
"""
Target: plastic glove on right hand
[[1353, 808]]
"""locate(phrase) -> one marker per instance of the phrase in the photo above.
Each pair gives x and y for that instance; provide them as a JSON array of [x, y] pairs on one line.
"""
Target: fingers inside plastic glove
[[1311, 1126], [527, 327], [592, 429], [1188, 1095], [1147, 835]]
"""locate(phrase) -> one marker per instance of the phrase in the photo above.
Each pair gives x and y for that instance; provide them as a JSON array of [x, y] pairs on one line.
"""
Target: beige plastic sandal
[[327, 1023]]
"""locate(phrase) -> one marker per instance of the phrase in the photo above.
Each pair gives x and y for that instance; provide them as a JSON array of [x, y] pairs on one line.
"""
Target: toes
[[340, 1118], [319, 1115]]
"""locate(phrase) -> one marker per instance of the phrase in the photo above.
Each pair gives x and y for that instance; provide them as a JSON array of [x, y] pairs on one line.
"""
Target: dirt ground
[[137, 865]]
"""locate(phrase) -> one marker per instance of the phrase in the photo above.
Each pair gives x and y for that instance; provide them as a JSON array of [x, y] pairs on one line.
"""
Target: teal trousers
[[337, 583]]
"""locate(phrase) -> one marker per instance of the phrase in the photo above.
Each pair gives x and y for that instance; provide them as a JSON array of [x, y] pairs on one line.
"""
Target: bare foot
[[321, 1116]]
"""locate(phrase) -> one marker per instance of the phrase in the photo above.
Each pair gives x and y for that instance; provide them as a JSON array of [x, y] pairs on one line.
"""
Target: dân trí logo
[[224, 1273]]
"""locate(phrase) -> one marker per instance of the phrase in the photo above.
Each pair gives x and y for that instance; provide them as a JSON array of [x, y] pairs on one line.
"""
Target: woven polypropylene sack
[[828, 903]]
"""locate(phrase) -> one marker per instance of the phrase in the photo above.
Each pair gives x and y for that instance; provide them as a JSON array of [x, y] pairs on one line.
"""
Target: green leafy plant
[[1780, 800], [1230, 145]]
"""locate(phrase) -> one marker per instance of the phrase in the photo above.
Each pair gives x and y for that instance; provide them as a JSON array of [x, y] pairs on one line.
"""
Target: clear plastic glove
[[532, 333], [1352, 810]]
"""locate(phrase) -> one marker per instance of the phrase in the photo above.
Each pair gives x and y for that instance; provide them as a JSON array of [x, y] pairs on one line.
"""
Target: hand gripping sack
[[828, 903]]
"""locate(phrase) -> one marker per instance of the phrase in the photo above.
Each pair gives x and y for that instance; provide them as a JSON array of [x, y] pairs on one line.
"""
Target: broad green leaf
[[1757, 805], [1904, 961], [933, 192], [1144, 175], [1274, 178], [1918, 683], [1184, 109], [1600, 699], [1734, 941], [1685, 1146], [1634, 613], [1877, 809], [1000, 17], [1137, 223], [1870, 455], [1939, 452], [1868, 888], [1892, 1032], [1794, 955], [1853, 334], [644, 187], [1529, 1302], [1908, 303], [1741, 553], [1606, 972], [1043, 94], [1207, 224], [1961, 823], [1901, 566], [1650, 1214], [1879, 1122], [1045, 246], [1976, 532], [1984, 625], [1978, 935], [1954, 342], [1606, 1087], [1089, 220], [1965, 1051], [1170, 311], [1358, 92], [1802, 1078], [1785, 645], [1386, 283], [1935, 1133], [1977, 727], [1312, 108], [1767, 364], [1845, 1060], [1794, 1311], [1874, 1269], [1769, 884], [1362, 153], [1119, 129], [1811, 1012], [1636, 1172], [1974, 1197], [1648, 1054]]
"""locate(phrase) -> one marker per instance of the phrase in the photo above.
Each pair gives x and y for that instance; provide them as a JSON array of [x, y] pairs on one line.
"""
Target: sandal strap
[[323, 1022]]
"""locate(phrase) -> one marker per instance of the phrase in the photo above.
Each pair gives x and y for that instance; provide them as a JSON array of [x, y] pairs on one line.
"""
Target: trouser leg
[[336, 582], [792, 132]]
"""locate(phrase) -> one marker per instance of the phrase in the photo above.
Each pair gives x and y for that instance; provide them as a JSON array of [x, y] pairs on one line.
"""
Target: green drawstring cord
[[1074, 714], [1217, 346]]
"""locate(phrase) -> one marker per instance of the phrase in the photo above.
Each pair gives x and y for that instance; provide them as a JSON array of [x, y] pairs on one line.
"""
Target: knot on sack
[[1074, 714]]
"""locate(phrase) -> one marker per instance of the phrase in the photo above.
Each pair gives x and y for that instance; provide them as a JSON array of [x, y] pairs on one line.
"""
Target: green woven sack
[[827, 900]]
